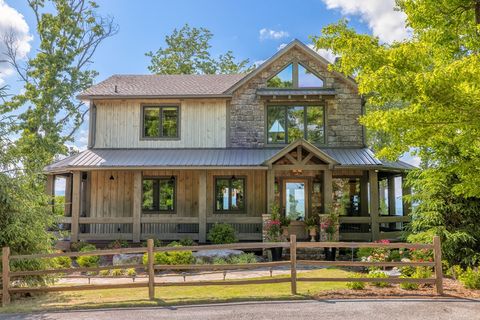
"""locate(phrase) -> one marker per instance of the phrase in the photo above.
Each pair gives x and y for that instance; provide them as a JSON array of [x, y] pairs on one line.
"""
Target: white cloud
[[281, 46], [81, 139], [325, 53], [272, 34], [386, 23], [12, 22]]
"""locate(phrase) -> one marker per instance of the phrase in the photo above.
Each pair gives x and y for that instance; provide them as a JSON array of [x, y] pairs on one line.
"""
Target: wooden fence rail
[[150, 250]]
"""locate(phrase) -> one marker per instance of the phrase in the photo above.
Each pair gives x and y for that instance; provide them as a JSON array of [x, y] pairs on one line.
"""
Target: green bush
[[117, 272], [218, 260], [117, 244], [356, 285], [62, 262], [131, 272], [104, 273], [378, 274], [187, 242], [470, 278], [78, 246], [171, 258], [408, 285], [222, 233], [88, 261], [243, 258]]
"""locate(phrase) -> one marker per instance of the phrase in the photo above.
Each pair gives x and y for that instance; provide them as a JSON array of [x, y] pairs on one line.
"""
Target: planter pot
[[330, 254], [313, 234], [276, 253]]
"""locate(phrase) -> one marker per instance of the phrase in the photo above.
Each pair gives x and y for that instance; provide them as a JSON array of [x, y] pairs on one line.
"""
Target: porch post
[[137, 206], [374, 204], [270, 189], [76, 185], [327, 190], [202, 206]]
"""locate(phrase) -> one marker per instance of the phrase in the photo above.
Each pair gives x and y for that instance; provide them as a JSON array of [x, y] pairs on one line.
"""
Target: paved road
[[291, 310]]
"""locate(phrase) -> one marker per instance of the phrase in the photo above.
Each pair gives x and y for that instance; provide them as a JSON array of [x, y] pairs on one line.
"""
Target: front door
[[295, 199]]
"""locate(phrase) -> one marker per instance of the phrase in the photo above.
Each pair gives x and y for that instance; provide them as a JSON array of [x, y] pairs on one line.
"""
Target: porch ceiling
[[95, 159]]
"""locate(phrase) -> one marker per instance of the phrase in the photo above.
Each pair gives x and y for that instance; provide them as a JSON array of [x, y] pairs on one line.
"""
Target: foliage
[[470, 278], [186, 242], [117, 272], [117, 244], [243, 258], [330, 223], [131, 272], [222, 233], [273, 230], [188, 52], [378, 274], [423, 96], [408, 285], [80, 245], [312, 223], [356, 285], [62, 262], [285, 221], [171, 257], [88, 261], [104, 273]]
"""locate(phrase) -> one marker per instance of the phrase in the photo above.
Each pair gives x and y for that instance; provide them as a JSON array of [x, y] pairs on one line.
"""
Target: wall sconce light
[[297, 172], [233, 177], [112, 178], [172, 178]]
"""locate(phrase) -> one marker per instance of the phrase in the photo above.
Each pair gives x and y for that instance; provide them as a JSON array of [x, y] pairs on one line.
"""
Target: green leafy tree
[[187, 52], [423, 94]]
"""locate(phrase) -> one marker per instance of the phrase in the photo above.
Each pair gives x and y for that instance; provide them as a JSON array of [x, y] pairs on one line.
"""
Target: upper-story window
[[295, 75], [288, 123], [160, 122]]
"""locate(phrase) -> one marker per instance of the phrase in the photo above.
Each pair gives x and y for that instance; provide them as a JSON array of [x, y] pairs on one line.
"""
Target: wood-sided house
[[171, 155]]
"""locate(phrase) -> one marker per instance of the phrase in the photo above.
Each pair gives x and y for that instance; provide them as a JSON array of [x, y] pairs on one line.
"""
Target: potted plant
[[329, 225], [284, 223], [273, 229], [312, 227]]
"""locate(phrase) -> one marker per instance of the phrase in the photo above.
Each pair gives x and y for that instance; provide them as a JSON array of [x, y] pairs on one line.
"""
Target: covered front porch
[[107, 195]]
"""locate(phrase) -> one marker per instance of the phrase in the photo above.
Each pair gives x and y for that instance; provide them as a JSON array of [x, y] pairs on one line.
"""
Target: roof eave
[[185, 96]]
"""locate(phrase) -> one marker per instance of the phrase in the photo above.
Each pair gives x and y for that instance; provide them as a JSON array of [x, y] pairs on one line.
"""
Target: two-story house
[[171, 155]]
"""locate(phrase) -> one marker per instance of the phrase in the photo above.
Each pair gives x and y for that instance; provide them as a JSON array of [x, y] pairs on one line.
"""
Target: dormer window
[[294, 76]]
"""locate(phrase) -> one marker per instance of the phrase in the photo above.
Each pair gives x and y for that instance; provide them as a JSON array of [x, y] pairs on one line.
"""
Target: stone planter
[[313, 234]]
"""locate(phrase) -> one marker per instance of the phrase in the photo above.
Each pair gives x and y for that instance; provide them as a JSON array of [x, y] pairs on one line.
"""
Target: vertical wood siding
[[202, 125]]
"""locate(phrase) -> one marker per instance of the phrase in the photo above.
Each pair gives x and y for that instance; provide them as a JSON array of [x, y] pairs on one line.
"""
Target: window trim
[[229, 210], [174, 211], [160, 106], [296, 104], [295, 76]]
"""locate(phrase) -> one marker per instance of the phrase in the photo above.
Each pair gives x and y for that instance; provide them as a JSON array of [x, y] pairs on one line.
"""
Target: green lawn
[[137, 297]]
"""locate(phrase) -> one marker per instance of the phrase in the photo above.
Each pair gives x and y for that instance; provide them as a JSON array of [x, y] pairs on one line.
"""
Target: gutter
[[189, 96]]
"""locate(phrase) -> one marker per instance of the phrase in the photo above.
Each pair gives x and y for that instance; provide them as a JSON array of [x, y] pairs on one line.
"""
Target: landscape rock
[[128, 258], [209, 255]]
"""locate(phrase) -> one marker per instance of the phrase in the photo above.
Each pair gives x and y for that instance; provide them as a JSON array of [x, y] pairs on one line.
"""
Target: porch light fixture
[[233, 177], [172, 178], [297, 172], [112, 177]]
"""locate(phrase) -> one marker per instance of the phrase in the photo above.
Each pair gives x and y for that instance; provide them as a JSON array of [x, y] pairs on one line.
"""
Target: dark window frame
[[156, 195], [160, 126], [305, 131], [230, 210]]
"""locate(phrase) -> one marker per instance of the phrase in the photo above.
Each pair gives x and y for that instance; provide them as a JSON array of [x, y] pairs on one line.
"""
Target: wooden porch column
[[270, 189], [76, 186], [202, 206], [391, 196], [374, 204], [406, 190], [137, 205], [327, 190]]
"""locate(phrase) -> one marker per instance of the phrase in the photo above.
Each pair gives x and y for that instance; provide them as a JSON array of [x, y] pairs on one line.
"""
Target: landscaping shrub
[[470, 278], [243, 258], [218, 260], [117, 244], [171, 258], [222, 233], [131, 272], [62, 262], [378, 274], [117, 272], [78, 246], [104, 273], [408, 285], [88, 261], [356, 285], [187, 242]]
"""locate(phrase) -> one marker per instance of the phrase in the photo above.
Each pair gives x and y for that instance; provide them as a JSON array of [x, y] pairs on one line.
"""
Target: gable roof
[[294, 44], [159, 86]]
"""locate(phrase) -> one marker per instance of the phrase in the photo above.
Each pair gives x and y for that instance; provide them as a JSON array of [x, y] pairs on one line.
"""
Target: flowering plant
[[273, 230], [330, 224]]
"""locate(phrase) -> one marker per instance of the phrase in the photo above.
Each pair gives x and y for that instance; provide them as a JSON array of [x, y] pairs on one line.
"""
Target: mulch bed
[[451, 288]]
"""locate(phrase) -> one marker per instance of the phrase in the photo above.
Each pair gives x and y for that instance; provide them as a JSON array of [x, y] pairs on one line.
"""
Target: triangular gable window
[[283, 79], [295, 75], [307, 79]]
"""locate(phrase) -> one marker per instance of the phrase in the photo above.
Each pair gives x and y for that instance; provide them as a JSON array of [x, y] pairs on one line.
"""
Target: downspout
[[92, 125]]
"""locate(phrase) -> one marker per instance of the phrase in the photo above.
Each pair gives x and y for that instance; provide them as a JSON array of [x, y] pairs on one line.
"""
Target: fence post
[[151, 271], [293, 261], [5, 276], [437, 257]]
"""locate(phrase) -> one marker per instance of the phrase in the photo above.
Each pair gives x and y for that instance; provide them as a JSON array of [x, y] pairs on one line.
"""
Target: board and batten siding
[[202, 124]]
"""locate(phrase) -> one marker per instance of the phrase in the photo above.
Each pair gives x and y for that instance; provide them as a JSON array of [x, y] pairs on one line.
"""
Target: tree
[[187, 52], [59, 71], [423, 94]]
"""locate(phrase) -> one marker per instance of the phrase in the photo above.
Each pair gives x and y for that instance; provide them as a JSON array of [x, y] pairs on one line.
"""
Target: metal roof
[[187, 158], [181, 85]]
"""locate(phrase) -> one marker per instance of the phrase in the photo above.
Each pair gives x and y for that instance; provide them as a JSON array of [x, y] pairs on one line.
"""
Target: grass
[[138, 297]]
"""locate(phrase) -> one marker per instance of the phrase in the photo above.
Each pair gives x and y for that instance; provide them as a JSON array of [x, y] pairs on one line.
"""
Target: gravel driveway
[[289, 310]]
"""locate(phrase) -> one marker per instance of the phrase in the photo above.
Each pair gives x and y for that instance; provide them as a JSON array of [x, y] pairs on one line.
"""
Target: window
[[346, 195], [229, 194], [158, 194], [288, 123], [295, 75], [160, 122]]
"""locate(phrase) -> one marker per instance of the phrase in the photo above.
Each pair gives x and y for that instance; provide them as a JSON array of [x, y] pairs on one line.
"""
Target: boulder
[[127, 258], [209, 255]]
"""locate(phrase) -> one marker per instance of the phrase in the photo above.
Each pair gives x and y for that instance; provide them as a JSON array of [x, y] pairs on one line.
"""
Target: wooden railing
[[150, 250]]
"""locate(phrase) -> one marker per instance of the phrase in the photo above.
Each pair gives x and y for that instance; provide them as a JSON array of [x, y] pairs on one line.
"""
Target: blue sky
[[253, 30]]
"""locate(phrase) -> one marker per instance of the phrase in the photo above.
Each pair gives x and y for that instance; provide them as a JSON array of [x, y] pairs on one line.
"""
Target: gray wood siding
[[202, 124]]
